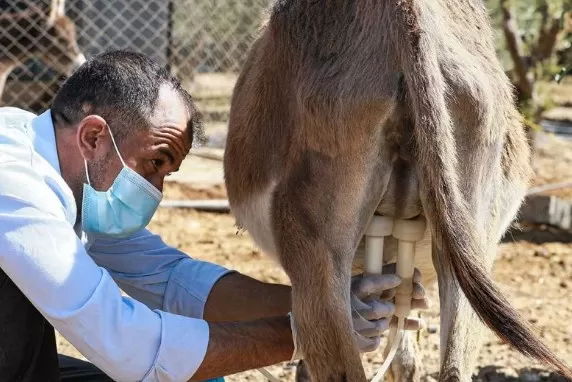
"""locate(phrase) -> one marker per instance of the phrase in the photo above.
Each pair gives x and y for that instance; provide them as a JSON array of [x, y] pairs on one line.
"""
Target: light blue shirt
[[158, 333]]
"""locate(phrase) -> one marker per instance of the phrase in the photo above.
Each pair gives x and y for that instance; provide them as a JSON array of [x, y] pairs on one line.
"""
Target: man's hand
[[372, 306]]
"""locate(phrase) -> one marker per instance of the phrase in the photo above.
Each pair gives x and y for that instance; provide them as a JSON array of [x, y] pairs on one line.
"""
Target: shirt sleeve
[[158, 275], [42, 255]]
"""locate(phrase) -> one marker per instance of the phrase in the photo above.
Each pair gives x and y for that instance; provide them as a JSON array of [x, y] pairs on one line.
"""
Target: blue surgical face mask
[[127, 207]]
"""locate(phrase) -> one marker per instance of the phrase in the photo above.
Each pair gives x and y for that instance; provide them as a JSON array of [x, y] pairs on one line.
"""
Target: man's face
[[153, 153]]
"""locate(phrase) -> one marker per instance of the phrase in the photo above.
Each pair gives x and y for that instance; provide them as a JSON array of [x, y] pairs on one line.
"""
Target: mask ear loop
[[116, 150], [86, 172], [115, 145]]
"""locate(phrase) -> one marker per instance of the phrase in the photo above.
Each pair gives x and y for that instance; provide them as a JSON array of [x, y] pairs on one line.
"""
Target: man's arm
[[239, 297], [41, 254], [248, 345], [162, 277]]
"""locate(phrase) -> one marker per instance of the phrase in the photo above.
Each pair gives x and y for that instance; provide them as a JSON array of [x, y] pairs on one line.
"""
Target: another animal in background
[[46, 33]]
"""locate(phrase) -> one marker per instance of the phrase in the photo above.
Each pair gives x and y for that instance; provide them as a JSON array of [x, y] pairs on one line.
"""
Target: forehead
[[170, 110], [170, 120], [169, 133]]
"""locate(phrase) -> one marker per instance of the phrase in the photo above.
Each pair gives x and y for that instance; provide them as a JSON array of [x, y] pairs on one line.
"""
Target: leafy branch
[[549, 23]]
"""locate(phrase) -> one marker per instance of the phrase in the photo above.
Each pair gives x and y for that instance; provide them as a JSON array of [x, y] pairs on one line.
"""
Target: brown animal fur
[[45, 33], [399, 107]]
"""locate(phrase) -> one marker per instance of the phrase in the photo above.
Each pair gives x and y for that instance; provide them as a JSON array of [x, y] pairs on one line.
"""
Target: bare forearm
[[237, 297], [239, 346]]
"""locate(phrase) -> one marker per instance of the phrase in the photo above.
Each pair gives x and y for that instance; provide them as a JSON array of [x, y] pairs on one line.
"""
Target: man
[[80, 183]]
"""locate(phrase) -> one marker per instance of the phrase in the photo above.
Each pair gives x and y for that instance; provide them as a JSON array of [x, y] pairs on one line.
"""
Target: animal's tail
[[453, 226]]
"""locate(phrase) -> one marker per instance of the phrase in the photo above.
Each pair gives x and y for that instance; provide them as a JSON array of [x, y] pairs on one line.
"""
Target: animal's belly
[[254, 216], [401, 198]]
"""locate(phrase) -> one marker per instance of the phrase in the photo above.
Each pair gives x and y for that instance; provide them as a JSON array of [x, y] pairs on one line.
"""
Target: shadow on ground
[[537, 234], [497, 374]]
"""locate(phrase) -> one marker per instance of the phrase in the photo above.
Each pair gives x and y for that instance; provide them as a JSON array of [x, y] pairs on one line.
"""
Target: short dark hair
[[122, 87]]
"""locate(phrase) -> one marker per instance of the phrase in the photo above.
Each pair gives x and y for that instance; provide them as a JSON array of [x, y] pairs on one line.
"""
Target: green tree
[[535, 37]]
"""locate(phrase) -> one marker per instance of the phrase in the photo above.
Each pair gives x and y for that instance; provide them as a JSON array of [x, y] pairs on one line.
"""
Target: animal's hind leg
[[496, 174], [406, 366], [461, 330], [320, 212]]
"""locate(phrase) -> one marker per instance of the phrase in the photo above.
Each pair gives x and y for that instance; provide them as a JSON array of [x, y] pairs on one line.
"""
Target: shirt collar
[[45, 139]]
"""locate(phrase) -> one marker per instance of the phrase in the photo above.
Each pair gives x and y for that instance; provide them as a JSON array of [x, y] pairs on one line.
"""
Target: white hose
[[268, 375], [381, 372]]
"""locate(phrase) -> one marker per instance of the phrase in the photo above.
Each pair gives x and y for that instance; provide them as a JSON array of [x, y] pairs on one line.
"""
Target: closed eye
[[158, 163], [164, 161]]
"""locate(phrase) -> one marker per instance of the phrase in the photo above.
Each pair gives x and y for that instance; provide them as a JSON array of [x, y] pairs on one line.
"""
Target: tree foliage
[[534, 41]]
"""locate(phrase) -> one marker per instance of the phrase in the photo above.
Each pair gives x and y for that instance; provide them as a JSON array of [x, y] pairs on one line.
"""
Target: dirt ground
[[536, 277]]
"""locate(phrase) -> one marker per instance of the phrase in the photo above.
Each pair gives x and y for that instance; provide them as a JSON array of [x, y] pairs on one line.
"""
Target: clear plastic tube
[[268, 375], [381, 372]]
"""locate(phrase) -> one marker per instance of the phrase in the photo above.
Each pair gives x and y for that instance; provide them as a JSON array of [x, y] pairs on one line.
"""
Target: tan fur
[[400, 108], [44, 33], [406, 365]]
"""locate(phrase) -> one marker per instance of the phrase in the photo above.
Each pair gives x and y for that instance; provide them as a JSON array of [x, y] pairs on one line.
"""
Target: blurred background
[[205, 42]]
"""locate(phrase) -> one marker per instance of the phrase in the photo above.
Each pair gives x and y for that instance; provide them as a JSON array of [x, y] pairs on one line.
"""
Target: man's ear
[[93, 137]]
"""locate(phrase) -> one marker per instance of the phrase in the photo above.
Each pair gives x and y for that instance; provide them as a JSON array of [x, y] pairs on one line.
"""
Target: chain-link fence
[[187, 36]]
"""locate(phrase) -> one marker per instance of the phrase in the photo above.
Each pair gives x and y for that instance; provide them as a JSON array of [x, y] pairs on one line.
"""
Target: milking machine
[[408, 233]]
